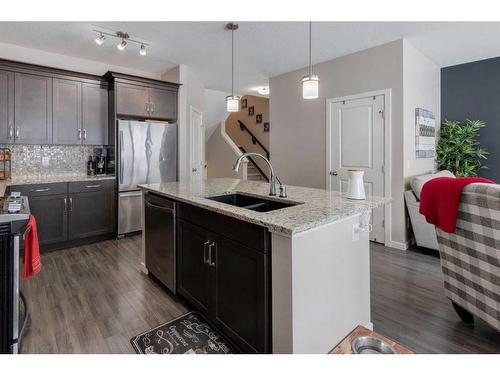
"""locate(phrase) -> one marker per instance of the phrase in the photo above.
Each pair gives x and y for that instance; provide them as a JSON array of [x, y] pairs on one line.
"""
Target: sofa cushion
[[418, 182]]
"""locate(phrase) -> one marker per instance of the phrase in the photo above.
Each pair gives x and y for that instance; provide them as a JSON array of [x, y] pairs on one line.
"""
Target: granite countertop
[[317, 206], [49, 178]]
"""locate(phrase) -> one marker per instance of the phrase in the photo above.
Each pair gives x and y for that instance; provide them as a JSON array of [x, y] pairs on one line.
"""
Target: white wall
[[298, 127], [422, 89], [221, 155], [191, 93], [215, 110], [55, 60]]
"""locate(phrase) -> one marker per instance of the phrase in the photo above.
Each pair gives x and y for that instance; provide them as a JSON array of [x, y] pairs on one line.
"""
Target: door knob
[[334, 173], [194, 170]]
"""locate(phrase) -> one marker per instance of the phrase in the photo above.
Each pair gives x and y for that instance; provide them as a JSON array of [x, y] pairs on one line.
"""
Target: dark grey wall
[[472, 91]]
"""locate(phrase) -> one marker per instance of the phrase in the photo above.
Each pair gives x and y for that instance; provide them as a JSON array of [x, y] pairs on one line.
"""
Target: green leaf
[[458, 149]]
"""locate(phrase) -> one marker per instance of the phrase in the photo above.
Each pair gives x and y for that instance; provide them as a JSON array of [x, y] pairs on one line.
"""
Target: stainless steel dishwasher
[[159, 224]]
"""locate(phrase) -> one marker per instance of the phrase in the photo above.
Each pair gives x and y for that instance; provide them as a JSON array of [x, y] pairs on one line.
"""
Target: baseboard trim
[[399, 245]]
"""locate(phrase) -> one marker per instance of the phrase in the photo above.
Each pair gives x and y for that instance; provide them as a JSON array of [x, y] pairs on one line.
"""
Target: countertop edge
[[272, 228], [52, 180]]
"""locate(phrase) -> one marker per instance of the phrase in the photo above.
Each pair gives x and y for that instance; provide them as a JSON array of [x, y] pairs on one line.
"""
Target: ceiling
[[262, 49]]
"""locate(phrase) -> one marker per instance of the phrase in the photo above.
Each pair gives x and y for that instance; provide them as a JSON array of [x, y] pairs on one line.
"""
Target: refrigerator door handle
[[121, 157]]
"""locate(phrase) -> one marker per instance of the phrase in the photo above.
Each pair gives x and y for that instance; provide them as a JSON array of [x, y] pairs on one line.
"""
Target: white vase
[[355, 185]]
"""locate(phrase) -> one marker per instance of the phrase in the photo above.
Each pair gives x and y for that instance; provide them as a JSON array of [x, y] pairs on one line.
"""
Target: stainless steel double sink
[[251, 203]]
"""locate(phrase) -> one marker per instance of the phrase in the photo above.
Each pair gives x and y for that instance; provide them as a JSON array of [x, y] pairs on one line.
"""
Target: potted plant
[[458, 149]]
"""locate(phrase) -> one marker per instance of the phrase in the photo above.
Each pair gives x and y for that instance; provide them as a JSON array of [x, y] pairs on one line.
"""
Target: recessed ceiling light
[[100, 39], [142, 51], [263, 90], [122, 45]]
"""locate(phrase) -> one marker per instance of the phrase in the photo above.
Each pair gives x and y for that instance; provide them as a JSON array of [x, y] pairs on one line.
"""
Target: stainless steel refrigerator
[[147, 153]]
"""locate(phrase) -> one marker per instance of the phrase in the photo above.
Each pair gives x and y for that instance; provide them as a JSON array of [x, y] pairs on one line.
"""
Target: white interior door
[[197, 144], [357, 142]]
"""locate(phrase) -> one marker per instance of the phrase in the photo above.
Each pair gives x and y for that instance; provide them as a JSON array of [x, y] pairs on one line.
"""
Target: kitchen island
[[310, 254]]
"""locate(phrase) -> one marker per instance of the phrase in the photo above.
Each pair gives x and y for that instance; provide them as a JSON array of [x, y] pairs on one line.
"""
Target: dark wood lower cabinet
[[69, 214], [91, 214], [240, 294], [192, 242], [50, 212], [227, 281]]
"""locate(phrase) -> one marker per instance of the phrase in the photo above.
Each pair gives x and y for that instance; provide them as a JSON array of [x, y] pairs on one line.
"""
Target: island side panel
[[330, 286], [281, 294]]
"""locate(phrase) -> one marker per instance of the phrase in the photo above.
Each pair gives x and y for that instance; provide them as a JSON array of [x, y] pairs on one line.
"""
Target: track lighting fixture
[[124, 40]]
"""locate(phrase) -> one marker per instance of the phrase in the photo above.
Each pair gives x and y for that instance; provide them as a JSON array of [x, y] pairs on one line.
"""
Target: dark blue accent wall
[[472, 91]]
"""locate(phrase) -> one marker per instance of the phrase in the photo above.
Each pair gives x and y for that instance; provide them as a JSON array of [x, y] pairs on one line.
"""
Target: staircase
[[253, 173]]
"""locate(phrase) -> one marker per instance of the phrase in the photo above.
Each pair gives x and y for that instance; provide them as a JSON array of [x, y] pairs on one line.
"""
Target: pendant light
[[310, 82], [232, 101]]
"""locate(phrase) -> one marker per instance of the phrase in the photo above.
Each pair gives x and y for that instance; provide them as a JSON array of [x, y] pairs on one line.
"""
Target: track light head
[[143, 51], [100, 39], [122, 45]]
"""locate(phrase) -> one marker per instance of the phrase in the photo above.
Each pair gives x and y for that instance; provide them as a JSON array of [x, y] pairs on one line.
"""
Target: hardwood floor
[[409, 306], [94, 299]]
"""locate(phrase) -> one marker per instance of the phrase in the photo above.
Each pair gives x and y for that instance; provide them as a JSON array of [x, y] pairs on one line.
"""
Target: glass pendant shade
[[310, 87], [232, 103]]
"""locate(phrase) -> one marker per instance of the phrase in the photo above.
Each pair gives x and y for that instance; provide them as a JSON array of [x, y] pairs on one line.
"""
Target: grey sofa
[[470, 257], [425, 233]]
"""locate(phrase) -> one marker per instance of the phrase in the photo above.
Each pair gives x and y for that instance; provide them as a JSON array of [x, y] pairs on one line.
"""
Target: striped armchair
[[470, 257]]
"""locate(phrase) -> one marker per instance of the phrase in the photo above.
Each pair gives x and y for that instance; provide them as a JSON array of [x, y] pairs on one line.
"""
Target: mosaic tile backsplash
[[27, 159]]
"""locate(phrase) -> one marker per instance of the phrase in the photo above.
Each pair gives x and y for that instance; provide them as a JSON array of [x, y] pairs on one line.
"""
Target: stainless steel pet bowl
[[370, 345]]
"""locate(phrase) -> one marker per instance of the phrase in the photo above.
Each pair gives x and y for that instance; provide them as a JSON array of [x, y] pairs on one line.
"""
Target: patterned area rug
[[187, 334]]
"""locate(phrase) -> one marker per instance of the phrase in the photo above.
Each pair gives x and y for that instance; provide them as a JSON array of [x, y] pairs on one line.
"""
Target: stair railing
[[255, 140]]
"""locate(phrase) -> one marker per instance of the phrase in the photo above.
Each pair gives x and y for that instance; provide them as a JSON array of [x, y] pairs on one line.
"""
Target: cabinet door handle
[[211, 262], [205, 252], [65, 205], [84, 133], [71, 204], [147, 107], [17, 132], [92, 186], [40, 190], [152, 107], [10, 131], [79, 134]]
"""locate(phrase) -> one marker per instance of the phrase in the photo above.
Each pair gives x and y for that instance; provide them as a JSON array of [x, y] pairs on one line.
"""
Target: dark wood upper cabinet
[[67, 111], [132, 100], [94, 114], [6, 106], [163, 103], [142, 98], [33, 109]]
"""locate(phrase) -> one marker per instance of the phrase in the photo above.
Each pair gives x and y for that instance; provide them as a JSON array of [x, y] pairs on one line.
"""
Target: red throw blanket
[[440, 198], [32, 261]]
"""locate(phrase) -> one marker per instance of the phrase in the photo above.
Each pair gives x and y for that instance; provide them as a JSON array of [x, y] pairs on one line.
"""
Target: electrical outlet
[[355, 232], [45, 161]]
